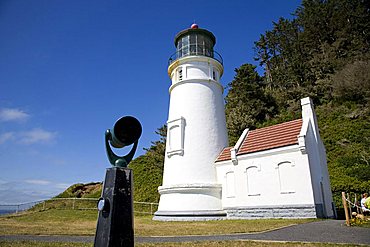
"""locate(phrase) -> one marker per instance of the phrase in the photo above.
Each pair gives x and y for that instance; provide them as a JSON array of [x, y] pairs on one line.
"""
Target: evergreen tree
[[157, 150], [246, 102], [148, 169], [302, 54]]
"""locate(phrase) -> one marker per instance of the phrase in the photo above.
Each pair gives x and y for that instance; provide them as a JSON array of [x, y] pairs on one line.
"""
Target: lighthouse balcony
[[197, 51]]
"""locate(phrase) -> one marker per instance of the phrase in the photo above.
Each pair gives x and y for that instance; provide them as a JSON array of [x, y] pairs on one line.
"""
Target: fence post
[[345, 208], [44, 205], [73, 203], [349, 204], [356, 204], [17, 210]]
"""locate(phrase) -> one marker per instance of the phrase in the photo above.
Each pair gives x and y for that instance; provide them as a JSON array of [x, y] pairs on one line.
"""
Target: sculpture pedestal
[[115, 221]]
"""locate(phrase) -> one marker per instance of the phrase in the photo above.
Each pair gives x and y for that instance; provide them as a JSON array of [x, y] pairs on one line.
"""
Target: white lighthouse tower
[[196, 130]]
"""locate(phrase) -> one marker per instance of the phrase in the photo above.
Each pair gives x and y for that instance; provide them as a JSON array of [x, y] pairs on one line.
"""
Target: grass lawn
[[188, 244], [83, 222], [50, 222], [144, 226], [243, 244], [367, 224], [364, 224], [41, 244]]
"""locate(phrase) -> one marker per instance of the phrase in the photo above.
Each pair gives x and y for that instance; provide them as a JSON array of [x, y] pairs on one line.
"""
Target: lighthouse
[[196, 130]]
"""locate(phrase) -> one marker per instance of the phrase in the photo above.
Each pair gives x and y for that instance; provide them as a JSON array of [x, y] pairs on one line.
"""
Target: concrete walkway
[[327, 231]]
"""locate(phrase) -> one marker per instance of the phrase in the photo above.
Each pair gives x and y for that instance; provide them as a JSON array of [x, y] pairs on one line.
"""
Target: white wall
[[281, 177], [198, 100], [317, 158], [196, 135]]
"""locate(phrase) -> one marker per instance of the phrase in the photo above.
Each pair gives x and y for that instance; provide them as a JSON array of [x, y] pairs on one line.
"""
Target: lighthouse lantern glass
[[194, 44]]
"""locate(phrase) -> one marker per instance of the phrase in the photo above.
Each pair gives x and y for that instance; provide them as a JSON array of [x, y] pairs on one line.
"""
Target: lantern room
[[195, 42]]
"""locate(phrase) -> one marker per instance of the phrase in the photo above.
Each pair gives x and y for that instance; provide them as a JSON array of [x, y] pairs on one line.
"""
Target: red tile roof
[[224, 155], [275, 136]]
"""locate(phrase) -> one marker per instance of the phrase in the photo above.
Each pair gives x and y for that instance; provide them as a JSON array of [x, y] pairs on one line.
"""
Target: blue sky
[[70, 69]]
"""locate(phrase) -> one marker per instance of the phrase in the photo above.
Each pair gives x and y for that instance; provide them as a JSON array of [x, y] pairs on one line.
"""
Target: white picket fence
[[71, 203]]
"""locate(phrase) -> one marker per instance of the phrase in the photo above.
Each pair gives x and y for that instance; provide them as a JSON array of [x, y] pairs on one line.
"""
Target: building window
[[183, 47], [286, 177], [252, 173], [214, 75], [230, 184], [175, 137], [180, 74]]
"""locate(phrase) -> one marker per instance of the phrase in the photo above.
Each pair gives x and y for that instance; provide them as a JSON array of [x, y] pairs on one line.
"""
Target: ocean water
[[6, 211]]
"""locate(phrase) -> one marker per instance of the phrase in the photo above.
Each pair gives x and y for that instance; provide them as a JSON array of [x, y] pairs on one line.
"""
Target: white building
[[278, 171]]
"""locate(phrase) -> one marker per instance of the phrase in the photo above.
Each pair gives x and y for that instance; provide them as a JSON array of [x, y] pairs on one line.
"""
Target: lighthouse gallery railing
[[196, 52]]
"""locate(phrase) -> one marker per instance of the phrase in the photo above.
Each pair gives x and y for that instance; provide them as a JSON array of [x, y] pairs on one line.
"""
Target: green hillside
[[89, 190], [345, 131]]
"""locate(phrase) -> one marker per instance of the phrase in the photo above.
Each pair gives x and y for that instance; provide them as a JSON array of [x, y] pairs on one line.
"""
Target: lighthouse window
[[214, 75], [184, 47], [180, 74], [200, 44], [193, 44], [179, 49], [208, 48]]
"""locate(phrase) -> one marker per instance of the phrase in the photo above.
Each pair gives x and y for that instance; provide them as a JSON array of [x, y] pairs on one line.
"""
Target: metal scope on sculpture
[[115, 220], [126, 131]]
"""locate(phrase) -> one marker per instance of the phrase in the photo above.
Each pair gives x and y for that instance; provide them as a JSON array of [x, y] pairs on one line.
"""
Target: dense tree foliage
[[148, 169], [301, 55], [352, 82], [345, 131], [247, 104]]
